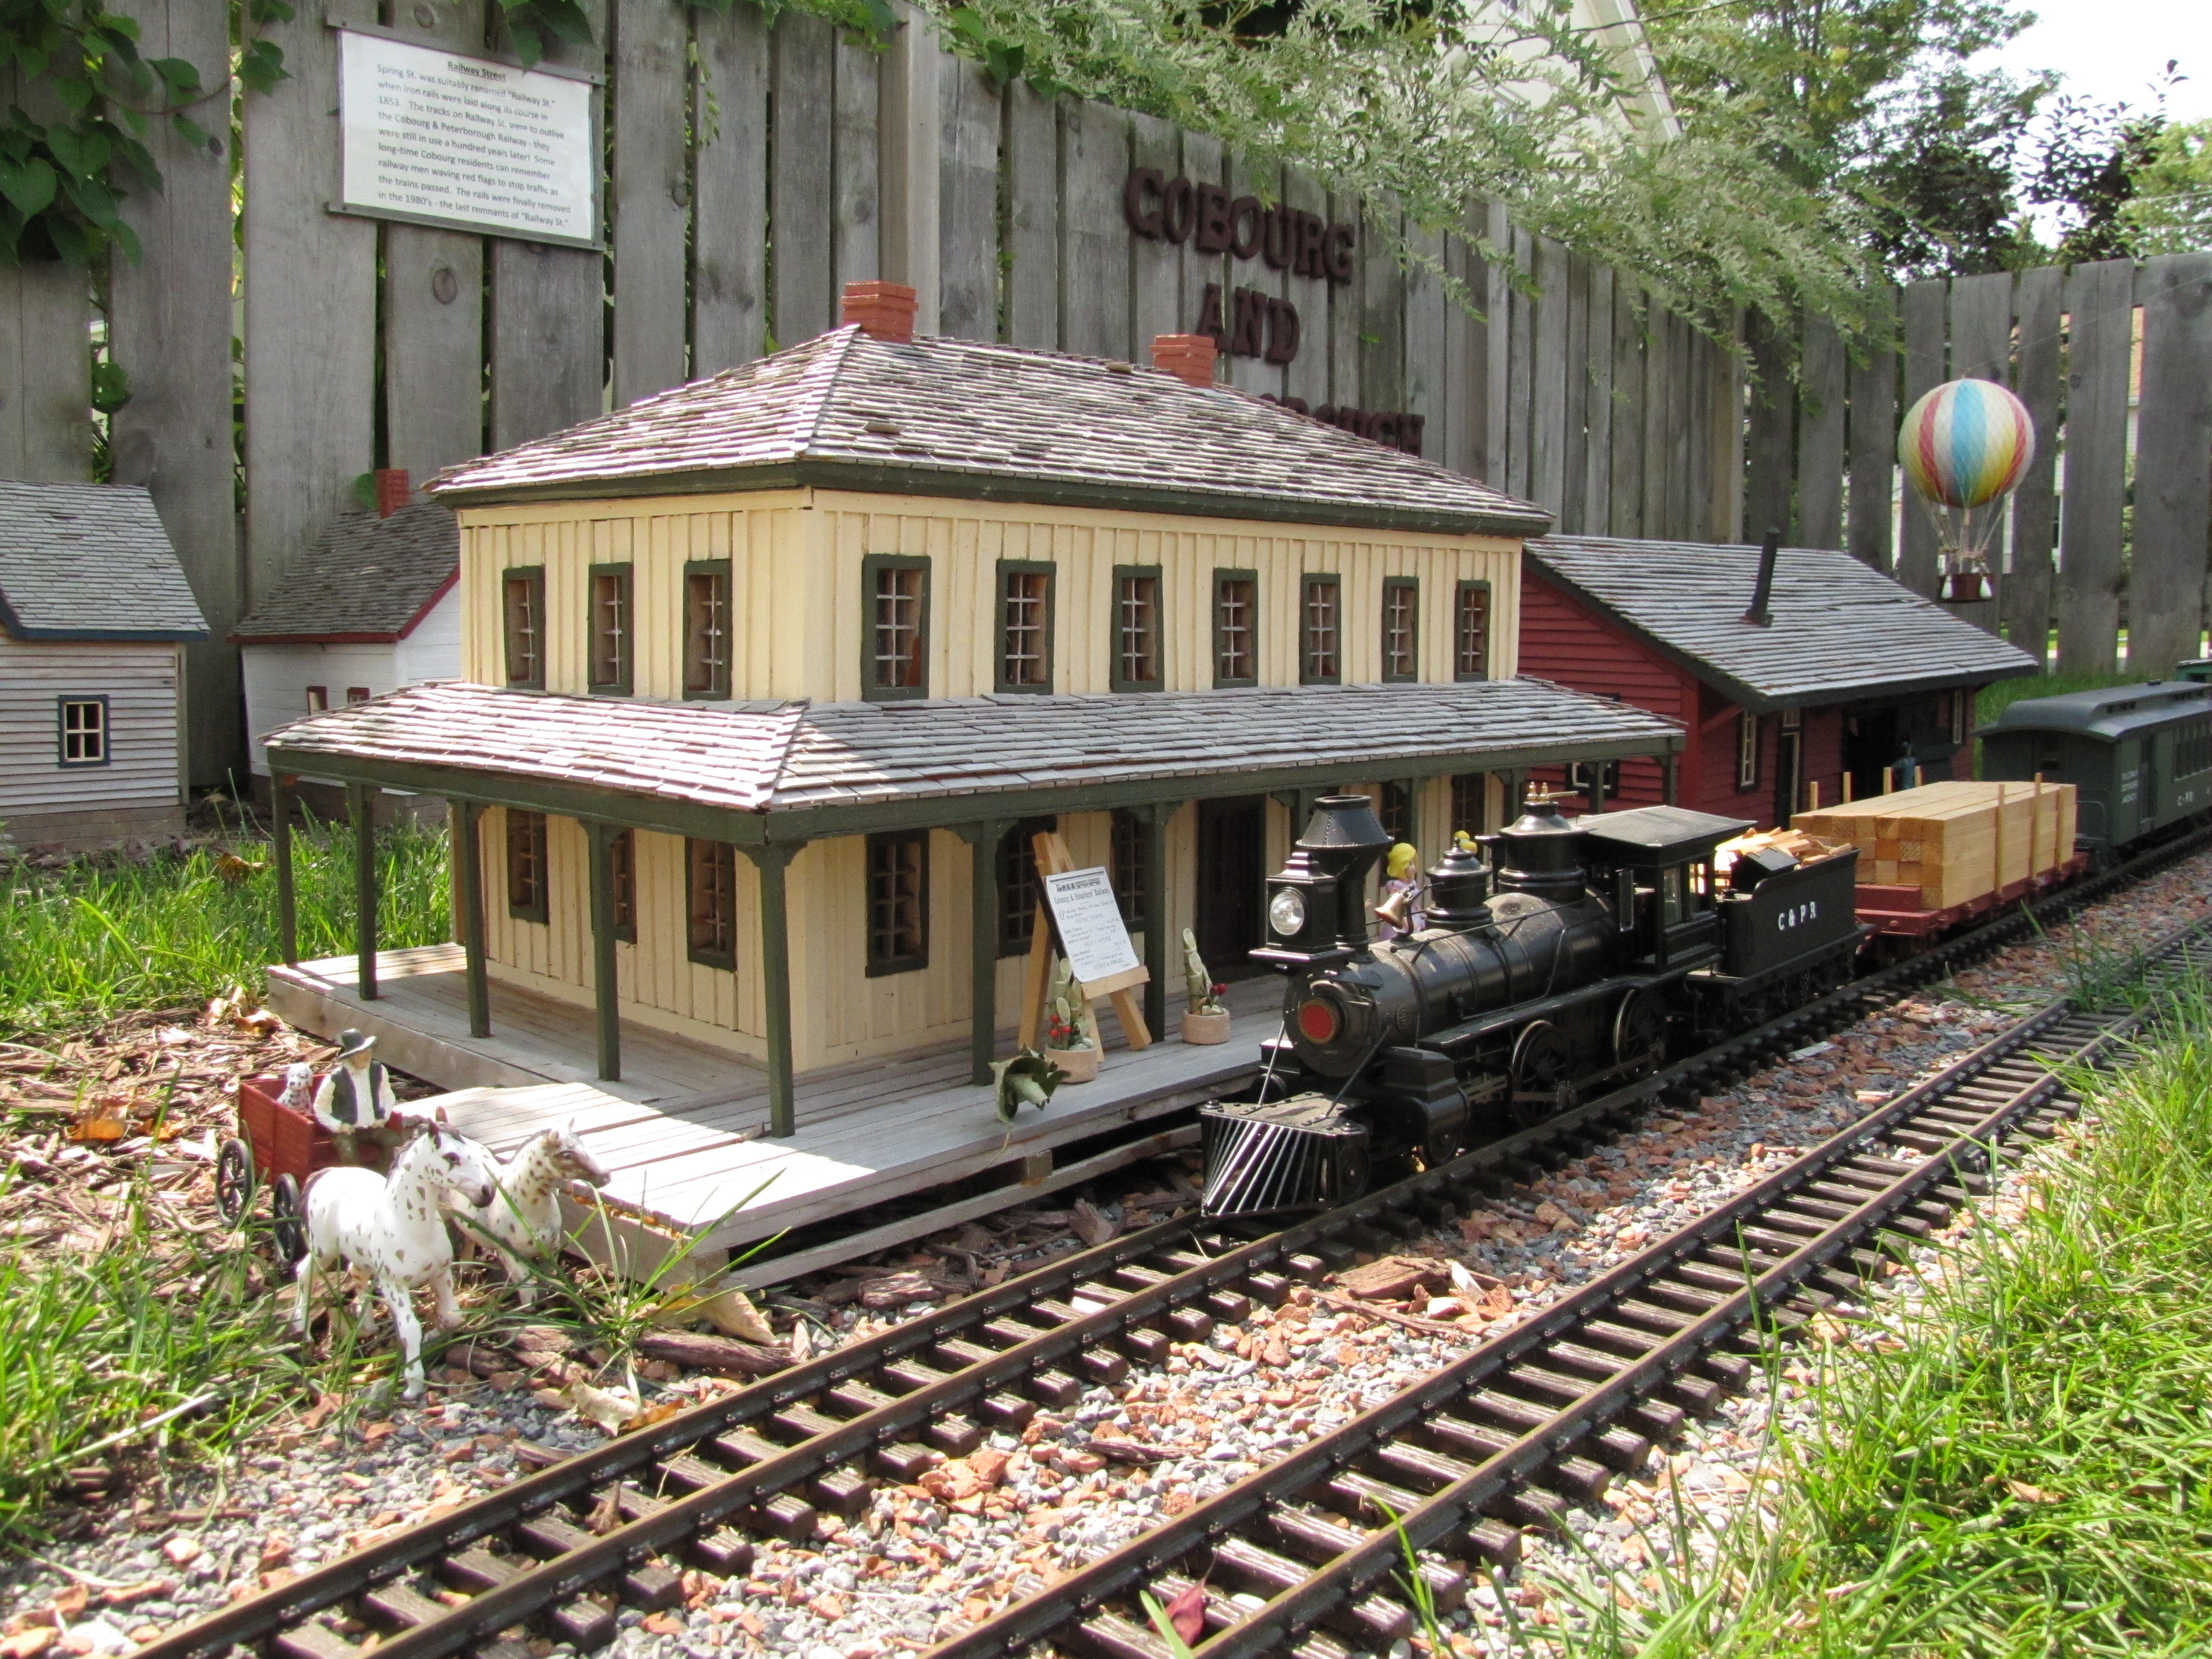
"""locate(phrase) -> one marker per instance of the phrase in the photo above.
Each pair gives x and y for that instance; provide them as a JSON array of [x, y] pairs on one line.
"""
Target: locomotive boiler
[[1559, 957]]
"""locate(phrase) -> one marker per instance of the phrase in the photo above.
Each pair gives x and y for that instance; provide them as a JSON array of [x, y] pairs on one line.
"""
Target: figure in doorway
[[1905, 768]]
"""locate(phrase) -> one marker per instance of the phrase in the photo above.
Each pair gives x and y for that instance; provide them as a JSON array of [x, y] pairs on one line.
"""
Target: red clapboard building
[[1850, 674]]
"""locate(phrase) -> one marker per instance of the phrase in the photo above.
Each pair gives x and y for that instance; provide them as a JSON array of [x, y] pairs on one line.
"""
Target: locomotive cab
[[1656, 865]]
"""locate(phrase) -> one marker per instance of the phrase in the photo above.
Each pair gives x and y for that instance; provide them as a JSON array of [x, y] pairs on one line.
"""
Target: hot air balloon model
[[1964, 445]]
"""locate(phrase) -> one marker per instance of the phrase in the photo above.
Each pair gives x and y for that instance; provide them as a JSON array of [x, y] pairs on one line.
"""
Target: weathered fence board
[[651, 198], [2100, 343], [1596, 362], [2173, 464], [1547, 384], [1033, 218], [968, 203], [1871, 532], [800, 222], [1574, 457], [1771, 443], [1821, 414], [1625, 505], [1263, 182], [729, 246], [1094, 260], [1306, 375], [2025, 598], [856, 161], [1923, 310], [1981, 349]]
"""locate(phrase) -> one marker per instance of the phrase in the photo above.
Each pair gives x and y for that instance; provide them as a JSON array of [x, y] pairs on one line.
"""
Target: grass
[[2017, 1466], [101, 937]]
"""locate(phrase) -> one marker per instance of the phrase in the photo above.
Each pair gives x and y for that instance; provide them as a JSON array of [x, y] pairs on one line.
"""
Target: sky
[[2112, 50]]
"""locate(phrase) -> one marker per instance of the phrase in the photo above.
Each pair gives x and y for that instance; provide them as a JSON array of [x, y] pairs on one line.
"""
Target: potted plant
[[1069, 1046], [1205, 1017]]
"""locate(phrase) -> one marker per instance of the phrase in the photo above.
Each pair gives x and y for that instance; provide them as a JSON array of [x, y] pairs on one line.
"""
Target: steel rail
[[1081, 1311]]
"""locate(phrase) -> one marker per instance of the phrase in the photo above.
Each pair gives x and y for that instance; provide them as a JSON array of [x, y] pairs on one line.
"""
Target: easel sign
[[1086, 928]]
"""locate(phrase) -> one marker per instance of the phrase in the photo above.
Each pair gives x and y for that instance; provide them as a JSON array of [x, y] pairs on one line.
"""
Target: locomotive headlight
[[1286, 912]]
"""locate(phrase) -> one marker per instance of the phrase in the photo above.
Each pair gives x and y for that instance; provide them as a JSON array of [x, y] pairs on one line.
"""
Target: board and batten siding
[[138, 679], [1565, 640], [799, 609]]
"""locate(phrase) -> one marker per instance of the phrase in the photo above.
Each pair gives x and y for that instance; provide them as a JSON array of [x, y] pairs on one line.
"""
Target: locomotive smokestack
[[1758, 616], [1344, 838]]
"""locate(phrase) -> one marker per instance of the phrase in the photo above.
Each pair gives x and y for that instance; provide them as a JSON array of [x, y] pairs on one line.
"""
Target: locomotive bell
[[1316, 903], [1541, 852], [1459, 891]]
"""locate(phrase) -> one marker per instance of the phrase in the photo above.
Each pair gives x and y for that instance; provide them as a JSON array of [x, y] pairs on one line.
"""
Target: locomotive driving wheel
[[1541, 1062], [1640, 1036]]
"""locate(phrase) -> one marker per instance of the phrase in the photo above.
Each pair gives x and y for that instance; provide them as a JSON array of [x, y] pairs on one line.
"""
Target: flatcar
[[1559, 957], [2141, 756]]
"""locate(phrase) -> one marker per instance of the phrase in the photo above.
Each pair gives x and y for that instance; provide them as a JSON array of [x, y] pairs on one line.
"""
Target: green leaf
[[261, 66], [93, 199], [181, 78], [28, 188], [189, 131], [82, 152], [110, 386], [75, 93], [266, 12]]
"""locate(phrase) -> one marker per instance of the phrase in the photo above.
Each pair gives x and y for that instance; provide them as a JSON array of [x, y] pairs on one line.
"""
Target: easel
[[1052, 860]]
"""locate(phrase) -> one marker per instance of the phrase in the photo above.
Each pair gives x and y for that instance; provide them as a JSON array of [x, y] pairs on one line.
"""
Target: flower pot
[[1206, 1028], [1081, 1065]]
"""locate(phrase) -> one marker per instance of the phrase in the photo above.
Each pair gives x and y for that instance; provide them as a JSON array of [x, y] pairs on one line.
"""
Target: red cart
[[282, 1147]]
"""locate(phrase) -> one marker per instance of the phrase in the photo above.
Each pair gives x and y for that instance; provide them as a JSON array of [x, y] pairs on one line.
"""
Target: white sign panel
[[1092, 934], [442, 138]]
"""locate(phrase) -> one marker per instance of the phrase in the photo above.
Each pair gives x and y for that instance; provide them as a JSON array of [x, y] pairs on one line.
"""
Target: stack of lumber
[[1955, 842], [1804, 847]]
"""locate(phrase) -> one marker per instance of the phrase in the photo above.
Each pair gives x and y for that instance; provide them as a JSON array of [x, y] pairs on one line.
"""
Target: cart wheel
[[234, 1182], [290, 1230]]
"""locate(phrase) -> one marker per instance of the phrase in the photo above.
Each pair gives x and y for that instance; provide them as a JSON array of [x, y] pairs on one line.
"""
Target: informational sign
[[438, 137], [1092, 935]]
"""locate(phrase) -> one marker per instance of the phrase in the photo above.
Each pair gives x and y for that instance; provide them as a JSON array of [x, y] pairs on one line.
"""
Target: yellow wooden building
[[767, 680]]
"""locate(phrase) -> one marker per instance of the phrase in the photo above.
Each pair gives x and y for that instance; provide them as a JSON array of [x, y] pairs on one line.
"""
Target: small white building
[[372, 608], [94, 613]]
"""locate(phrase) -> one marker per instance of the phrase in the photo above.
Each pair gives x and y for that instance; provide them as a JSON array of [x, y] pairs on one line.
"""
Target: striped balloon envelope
[[1966, 443]]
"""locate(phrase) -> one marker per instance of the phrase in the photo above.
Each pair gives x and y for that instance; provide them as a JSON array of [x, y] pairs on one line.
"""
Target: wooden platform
[[683, 1133]]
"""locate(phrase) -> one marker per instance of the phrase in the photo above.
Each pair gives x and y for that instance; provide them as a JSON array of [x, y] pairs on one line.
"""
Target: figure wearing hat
[[1401, 892], [353, 1101]]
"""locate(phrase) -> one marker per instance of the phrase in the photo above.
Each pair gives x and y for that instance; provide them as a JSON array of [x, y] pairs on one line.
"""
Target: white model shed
[[372, 608], [94, 612]]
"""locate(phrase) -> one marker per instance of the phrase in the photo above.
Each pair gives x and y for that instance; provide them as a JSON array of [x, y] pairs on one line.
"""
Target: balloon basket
[[1966, 587]]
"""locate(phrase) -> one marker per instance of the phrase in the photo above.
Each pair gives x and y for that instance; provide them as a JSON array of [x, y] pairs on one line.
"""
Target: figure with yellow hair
[[1402, 893]]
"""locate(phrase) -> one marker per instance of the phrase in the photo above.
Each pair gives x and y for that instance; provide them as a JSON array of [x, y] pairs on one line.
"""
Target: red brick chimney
[[1188, 357], [884, 311], [392, 490]]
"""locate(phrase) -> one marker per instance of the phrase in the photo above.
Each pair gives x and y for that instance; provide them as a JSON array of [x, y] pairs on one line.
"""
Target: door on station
[[1232, 876], [1788, 767], [1870, 745]]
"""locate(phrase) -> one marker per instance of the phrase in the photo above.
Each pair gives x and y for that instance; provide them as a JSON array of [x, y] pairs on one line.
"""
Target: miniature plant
[[1204, 991], [1063, 1031]]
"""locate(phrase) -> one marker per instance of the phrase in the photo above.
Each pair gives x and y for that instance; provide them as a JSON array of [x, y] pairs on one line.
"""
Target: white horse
[[522, 1219], [392, 1230]]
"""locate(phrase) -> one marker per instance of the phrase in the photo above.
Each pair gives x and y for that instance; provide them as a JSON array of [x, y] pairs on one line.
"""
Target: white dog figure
[[522, 1219], [392, 1228], [299, 1086]]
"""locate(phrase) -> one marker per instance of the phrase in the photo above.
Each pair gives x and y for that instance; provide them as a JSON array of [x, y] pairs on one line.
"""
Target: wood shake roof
[[366, 579], [802, 759], [1841, 629], [940, 417]]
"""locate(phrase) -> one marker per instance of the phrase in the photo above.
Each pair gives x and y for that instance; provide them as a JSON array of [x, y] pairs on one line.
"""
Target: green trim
[[467, 816], [775, 986], [607, 997], [541, 911], [288, 901], [725, 960], [1158, 576], [1460, 592], [1308, 580], [879, 967], [535, 575], [624, 931], [1011, 850], [871, 563], [864, 478], [718, 691], [1230, 574], [1389, 584], [361, 801], [1049, 571], [982, 840], [624, 573]]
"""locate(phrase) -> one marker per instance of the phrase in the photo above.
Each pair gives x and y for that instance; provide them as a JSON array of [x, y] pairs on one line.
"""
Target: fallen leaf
[[2028, 1494], [611, 1408], [657, 1412], [1186, 1613], [802, 1341], [606, 1514]]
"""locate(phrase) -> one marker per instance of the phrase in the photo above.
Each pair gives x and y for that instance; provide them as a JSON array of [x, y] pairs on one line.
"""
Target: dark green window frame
[[622, 868], [617, 580], [1410, 586], [897, 922], [1321, 662], [528, 870], [704, 677], [525, 582], [1004, 656], [1131, 835], [710, 903], [1223, 645], [874, 626], [1117, 623], [1021, 888], [1460, 669]]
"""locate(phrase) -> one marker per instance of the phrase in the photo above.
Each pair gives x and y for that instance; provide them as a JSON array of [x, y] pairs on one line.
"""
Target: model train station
[[767, 681]]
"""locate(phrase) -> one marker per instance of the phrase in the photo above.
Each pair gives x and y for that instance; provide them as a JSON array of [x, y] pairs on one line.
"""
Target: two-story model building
[[768, 681]]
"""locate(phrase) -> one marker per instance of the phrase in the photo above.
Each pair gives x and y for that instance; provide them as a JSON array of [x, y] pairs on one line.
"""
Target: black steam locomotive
[[1573, 968]]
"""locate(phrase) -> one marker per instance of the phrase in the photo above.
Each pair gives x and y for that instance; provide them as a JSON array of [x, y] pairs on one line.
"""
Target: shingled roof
[[90, 561], [366, 580], [800, 758], [938, 416], [1841, 629]]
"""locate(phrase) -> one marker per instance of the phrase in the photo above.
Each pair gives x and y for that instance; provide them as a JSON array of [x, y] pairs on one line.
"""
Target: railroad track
[[700, 1488]]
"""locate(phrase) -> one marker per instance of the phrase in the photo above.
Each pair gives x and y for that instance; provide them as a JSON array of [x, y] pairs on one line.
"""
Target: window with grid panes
[[610, 654], [1470, 802], [710, 900], [1024, 627], [622, 870], [525, 865], [1236, 628], [1395, 809], [1401, 628], [1131, 837], [1747, 750], [1136, 628], [522, 615], [706, 628], [1471, 632], [82, 739], [896, 660], [1321, 640], [898, 902], [1017, 885]]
